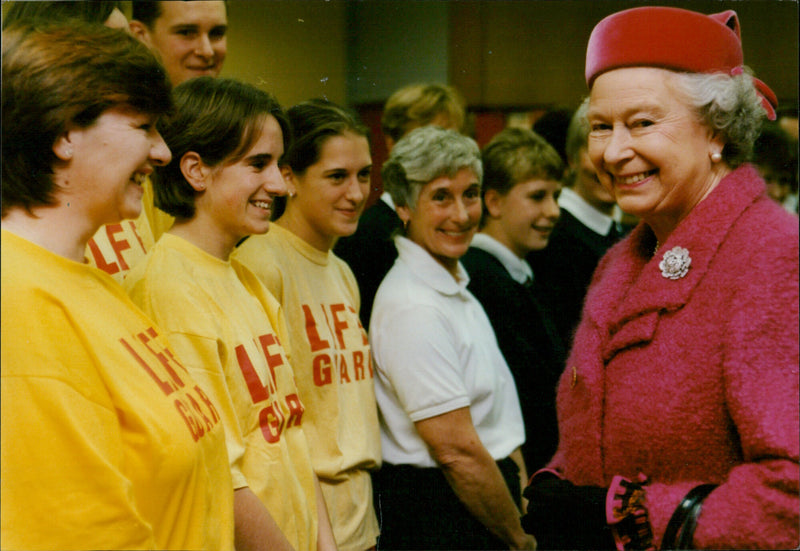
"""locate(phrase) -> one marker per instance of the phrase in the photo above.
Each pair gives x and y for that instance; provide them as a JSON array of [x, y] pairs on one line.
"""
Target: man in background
[[582, 235], [190, 39]]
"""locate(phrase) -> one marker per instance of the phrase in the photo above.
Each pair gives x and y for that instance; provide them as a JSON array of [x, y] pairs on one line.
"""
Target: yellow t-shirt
[[116, 248], [228, 330], [333, 369], [107, 442]]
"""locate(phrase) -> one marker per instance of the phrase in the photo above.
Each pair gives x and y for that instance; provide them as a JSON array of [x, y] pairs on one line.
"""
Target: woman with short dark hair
[[227, 138], [102, 447]]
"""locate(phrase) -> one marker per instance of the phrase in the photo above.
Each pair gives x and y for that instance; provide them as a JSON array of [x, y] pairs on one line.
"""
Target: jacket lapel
[[634, 282]]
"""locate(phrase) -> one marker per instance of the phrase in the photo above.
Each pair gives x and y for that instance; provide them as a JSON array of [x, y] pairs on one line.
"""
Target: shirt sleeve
[[174, 310], [420, 359], [260, 260], [200, 356]]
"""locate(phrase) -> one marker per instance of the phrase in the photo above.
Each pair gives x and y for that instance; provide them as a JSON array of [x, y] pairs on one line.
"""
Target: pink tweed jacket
[[695, 379]]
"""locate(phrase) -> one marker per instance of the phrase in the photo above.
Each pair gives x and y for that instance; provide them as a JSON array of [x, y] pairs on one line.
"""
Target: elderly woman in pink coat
[[678, 407]]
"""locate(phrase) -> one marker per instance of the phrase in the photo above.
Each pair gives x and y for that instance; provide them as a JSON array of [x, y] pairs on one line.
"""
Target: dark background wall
[[500, 53], [512, 59], [532, 53]]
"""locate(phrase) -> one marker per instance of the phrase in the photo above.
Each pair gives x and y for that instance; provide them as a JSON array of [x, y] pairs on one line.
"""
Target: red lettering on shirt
[[273, 360], [164, 385], [194, 427], [270, 419], [273, 421], [174, 360], [296, 410], [364, 338], [117, 245], [199, 412], [209, 404], [327, 319], [199, 416], [193, 415], [136, 235], [258, 392], [99, 261], [311, 330], [344, 377], [341, 321], [338, 324], [146, 338], [358, 364], [322, 370]]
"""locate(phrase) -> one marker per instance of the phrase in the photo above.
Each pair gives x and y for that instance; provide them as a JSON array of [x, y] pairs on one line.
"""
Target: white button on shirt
[[435, 352]]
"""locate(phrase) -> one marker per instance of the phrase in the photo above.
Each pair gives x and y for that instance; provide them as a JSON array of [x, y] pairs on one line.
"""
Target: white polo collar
[[588, 215], [424, 266], [517, 267]]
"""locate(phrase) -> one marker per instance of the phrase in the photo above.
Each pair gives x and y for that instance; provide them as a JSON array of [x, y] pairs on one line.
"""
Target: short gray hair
[[729, 106], [423, 155]]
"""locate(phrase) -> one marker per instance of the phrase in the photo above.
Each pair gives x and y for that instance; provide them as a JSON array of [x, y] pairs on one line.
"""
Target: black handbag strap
[[683, 522]]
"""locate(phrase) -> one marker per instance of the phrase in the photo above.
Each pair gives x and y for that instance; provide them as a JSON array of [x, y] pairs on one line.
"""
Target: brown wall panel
[[509, 54]]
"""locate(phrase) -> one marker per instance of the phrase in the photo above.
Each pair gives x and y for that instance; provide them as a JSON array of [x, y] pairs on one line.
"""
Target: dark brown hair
[[84, 10], [313, 122], [58, 74], [217, 118]]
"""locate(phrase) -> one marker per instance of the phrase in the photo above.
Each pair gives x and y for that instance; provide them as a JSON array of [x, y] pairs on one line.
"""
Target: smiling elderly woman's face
[[650, 149], [445, 217]]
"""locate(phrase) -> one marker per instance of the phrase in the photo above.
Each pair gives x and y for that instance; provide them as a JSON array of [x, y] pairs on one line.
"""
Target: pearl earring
[[716, 157], [68, 152]]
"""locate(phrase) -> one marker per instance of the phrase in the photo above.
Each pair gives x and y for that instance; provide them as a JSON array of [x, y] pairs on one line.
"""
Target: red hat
[[671, 38]]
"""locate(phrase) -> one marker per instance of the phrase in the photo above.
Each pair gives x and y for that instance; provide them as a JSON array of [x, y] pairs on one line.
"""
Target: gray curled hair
[[728, 105], [423, 155]]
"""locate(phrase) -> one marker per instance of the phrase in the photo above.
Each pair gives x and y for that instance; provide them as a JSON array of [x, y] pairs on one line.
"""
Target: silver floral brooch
[[675, 263]]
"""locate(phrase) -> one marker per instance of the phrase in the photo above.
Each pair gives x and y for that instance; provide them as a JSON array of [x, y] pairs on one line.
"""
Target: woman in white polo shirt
[[451, 425]]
